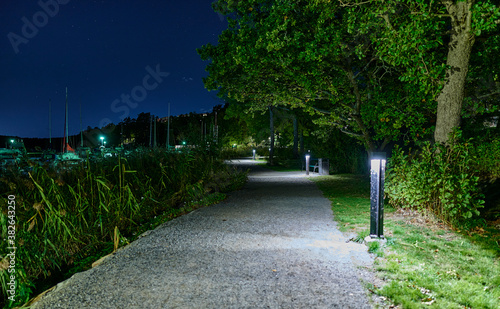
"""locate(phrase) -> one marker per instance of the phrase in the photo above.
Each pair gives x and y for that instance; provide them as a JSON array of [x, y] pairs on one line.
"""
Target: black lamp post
[[377, 172]]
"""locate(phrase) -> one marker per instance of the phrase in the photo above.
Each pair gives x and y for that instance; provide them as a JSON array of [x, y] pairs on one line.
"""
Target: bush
[[443, 180]]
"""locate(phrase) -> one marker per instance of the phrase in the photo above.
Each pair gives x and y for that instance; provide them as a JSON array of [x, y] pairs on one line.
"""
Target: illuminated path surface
[[273, 244]]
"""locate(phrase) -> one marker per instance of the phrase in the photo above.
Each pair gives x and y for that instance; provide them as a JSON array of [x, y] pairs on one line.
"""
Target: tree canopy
[[380, 71]]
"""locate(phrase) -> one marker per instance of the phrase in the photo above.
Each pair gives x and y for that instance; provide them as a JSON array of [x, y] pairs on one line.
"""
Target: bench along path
[[272, 244]]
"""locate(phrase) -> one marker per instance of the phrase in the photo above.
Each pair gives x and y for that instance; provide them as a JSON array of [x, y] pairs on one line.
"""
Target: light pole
[[254, 154], [377, 178], [308, 157], [102, 140]]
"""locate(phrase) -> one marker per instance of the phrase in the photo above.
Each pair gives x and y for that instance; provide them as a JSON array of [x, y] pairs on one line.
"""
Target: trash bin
[[324, 166]]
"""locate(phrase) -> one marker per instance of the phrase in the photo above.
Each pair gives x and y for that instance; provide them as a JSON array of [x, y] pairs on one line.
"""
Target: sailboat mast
[[150, 130], [81, 131], [168, 128], [66, 121], [50, 124], [154, 138]]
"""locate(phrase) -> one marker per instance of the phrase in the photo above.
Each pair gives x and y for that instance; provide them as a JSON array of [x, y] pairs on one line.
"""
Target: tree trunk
[[271, 123], [451, 97], [302, 141], [356, 111], [295, 137]]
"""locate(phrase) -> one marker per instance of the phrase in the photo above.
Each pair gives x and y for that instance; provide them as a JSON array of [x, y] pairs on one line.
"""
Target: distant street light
[[102, 140], [377, 178], [308, 157], [253, 154], [12, 141]]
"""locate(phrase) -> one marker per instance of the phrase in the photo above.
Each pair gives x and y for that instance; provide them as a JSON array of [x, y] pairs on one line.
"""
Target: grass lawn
[[424, 264]]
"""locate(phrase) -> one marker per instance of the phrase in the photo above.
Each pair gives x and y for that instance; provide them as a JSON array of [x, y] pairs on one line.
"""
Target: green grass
[[423, 265]]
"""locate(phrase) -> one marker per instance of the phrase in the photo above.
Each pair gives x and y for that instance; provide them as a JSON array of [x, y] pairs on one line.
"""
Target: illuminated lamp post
[[377, 177], [102, 140], [308, 157], [254, 154]]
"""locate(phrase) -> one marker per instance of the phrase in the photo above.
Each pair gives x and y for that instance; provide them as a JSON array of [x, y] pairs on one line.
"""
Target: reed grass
[[65, 216]]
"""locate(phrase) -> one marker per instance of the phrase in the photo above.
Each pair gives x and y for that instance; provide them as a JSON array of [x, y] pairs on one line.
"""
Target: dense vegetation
[[386, 73], [449, 182], [67, 218]]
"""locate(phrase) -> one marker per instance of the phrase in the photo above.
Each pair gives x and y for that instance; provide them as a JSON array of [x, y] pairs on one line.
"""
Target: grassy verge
[[424, 264]]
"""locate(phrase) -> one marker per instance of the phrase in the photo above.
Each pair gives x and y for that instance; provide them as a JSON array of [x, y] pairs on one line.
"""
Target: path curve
[[273, 244]]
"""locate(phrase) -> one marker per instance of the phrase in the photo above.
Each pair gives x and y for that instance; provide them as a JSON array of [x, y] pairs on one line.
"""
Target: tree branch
[[342, 4], [366, 66], [489, 94], [433, 15]]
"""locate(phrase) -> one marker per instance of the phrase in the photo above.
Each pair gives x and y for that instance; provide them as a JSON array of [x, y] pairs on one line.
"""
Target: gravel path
[[272, 244]]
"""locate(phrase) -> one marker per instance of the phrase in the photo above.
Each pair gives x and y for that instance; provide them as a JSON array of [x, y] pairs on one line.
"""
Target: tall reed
[[65, 215]]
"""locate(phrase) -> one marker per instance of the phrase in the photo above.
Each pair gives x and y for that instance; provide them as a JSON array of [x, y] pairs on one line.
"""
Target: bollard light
[[308, 157], [377, 177], [254, 154]]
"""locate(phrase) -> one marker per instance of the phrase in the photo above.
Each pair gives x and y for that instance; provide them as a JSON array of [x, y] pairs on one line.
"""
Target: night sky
[[101, 50]]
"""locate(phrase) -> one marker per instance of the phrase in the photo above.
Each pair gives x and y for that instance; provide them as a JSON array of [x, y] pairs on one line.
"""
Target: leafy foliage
[[443, 180], [377, 70]]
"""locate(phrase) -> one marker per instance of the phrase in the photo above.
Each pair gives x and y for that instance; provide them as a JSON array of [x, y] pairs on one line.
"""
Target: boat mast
[[50, 124], [154, 138], [66, 122], [168, 128], [150, 130], [81, 131]]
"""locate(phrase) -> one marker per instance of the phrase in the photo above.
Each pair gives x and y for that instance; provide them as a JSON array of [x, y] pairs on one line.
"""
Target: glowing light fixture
[[102, 140], [377, 178], [254, 154], [308, 158]]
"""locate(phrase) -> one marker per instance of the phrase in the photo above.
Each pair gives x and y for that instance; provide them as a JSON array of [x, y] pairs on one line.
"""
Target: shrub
[[443, 180]]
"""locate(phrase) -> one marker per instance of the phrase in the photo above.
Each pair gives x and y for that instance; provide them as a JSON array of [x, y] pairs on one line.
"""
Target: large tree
[[377, 70], [305, 54], [432, 42]]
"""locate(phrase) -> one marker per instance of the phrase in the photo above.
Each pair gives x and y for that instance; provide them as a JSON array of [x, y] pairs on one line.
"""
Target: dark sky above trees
[[117, 58]]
